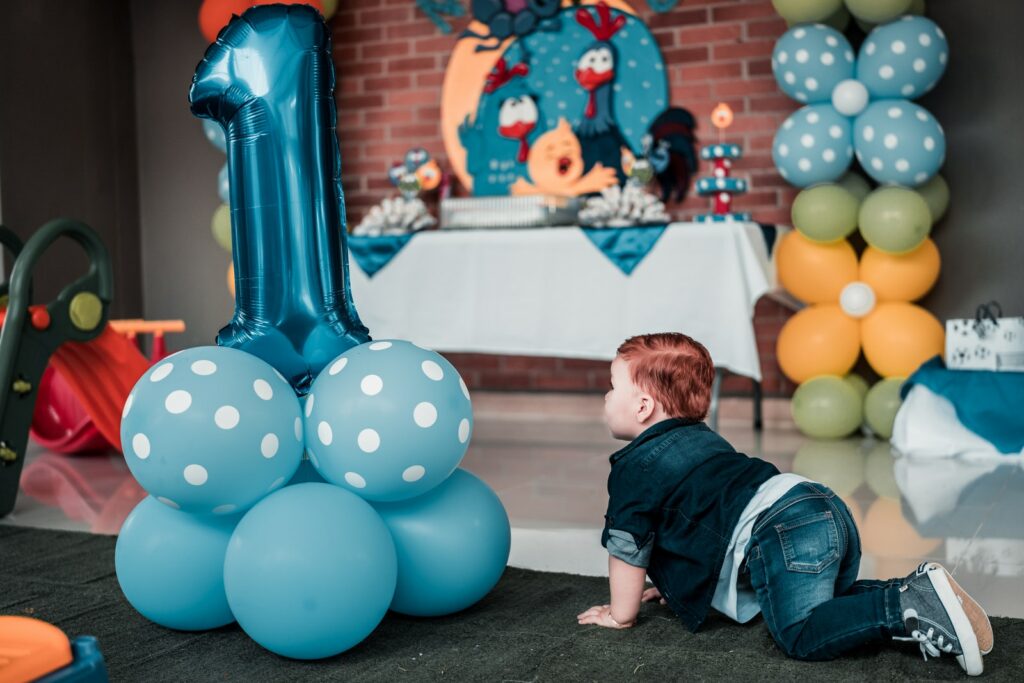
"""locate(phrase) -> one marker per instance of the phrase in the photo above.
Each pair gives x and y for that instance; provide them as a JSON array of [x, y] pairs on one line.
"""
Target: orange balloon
[[215, 15], [231, 278], [814, 272], [819, 340], [899, 337], [901, 277]]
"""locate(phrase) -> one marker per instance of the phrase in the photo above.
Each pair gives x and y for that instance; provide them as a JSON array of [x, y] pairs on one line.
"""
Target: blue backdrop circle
[[211, 430], [813, 146], [904, 58], [452, 543], [810, 60], [388, 420], [310, 571], [170, 566], [899, 142]]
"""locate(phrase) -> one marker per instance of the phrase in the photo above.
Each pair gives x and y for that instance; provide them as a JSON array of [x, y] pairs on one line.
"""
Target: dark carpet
[[525, 630]]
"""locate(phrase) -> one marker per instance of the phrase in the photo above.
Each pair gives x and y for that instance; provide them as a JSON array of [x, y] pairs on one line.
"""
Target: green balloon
[[803, 11], [881, 404], [825, 213], [917, 7], [936, 195], [895, 220], [838, 20], [878, 11], [856, 185], [827, 407], [221, 226], [858, 383], [838, 465], [879, 471]]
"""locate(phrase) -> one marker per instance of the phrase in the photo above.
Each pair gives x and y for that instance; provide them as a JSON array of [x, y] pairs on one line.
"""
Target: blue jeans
[[802, 561]]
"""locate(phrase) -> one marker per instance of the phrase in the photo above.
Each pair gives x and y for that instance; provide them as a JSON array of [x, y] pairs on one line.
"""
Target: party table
[[554, 292]]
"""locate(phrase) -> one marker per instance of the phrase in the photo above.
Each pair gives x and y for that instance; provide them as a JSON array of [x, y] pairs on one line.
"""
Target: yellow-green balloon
[[838, 20], [856, 185], [895, 220], [221, 226], [837, 464], [827, 407], [881, 404], [825, 213], [936, 195], [917, 7], [858, 383], [803, 11], [879, 471], [877, 11]]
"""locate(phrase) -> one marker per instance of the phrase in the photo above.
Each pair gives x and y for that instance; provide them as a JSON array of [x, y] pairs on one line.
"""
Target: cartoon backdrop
[[508, 89]]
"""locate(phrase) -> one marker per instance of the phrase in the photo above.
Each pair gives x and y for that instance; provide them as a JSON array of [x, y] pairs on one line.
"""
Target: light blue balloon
[[388, 420], [899, 142], [170, 565], [903, 58], [813, 146], [452, 544], [310, 571], [215, 134], [212, 430], [810, 60], [224, 185]]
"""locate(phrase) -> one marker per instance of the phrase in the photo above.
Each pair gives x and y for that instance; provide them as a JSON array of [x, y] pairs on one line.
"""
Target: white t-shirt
[[734, 603]]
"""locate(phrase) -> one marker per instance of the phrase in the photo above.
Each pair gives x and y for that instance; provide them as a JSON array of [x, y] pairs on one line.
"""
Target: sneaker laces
[[931, 643]]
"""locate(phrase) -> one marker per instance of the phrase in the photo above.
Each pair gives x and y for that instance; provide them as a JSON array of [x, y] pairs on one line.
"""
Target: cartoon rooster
[[595, 72], [510, 110]]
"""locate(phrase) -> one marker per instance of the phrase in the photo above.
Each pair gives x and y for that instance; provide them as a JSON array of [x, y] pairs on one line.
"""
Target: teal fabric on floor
[[988, 403], [525, 630]]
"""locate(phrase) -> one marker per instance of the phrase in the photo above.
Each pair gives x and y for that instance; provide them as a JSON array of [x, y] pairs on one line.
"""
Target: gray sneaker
[[937, 617]]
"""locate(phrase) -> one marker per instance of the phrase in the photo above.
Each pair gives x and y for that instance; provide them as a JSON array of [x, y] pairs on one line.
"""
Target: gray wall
[[980, 103], [184, 272], [67, 135]]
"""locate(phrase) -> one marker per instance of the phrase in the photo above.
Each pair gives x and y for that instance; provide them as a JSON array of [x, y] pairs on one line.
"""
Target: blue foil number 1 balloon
[[269, 81]]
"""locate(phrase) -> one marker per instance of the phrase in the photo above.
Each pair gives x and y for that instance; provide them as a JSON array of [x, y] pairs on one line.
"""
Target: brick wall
[[390, 63]]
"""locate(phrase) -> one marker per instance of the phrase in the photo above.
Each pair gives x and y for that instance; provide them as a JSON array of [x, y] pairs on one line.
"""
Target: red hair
[[673, 368]]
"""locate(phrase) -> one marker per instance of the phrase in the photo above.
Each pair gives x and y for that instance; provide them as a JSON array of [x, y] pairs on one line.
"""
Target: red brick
[[412, 64], [360, 101], [398, 48], [743, 11], [384, 16], [432, 79], [665, 38], [744, 87], [679, 18], [711, 71], [759, 67], [388, 83], [404, 31], [681, 55], [411, 97], [436, 44], [772, 28], [418, 131], [697, 35], [740, 50], [568, 382], [354, 36], [778, 103]]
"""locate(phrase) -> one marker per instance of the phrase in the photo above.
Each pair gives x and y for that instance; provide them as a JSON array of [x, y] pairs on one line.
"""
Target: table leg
[[758, 396], [716, 390]]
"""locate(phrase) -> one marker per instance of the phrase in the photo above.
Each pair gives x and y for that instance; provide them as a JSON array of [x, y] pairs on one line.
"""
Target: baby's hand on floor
[[600, 615], [652, 594]]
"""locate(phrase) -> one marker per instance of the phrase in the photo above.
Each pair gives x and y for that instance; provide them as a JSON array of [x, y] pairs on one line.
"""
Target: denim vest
[[675, 494]]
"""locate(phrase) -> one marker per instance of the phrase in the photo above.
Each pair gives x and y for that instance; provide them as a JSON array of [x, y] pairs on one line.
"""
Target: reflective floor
[[547, 458]]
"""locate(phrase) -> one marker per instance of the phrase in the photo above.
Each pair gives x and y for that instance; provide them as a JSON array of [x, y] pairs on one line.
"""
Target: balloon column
[[306, 555], [858, 108]]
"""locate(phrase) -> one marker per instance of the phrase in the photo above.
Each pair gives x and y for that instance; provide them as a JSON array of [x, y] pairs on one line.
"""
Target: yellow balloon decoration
[[813, 272], [819, 340], [330, 7], [231, 278], [899, 337], [901, 277]]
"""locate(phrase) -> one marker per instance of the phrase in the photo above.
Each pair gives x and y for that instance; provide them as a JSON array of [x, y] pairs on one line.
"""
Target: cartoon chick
[[555, 164]]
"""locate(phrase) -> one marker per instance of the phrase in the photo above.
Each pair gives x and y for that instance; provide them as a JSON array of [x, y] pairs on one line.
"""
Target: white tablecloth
[[551, 292]]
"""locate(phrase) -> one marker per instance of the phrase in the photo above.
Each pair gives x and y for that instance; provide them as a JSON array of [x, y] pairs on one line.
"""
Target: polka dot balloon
[[388, 420], [813, 146], [810, 60], [212, 430], [899, 142], [905, 58]]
